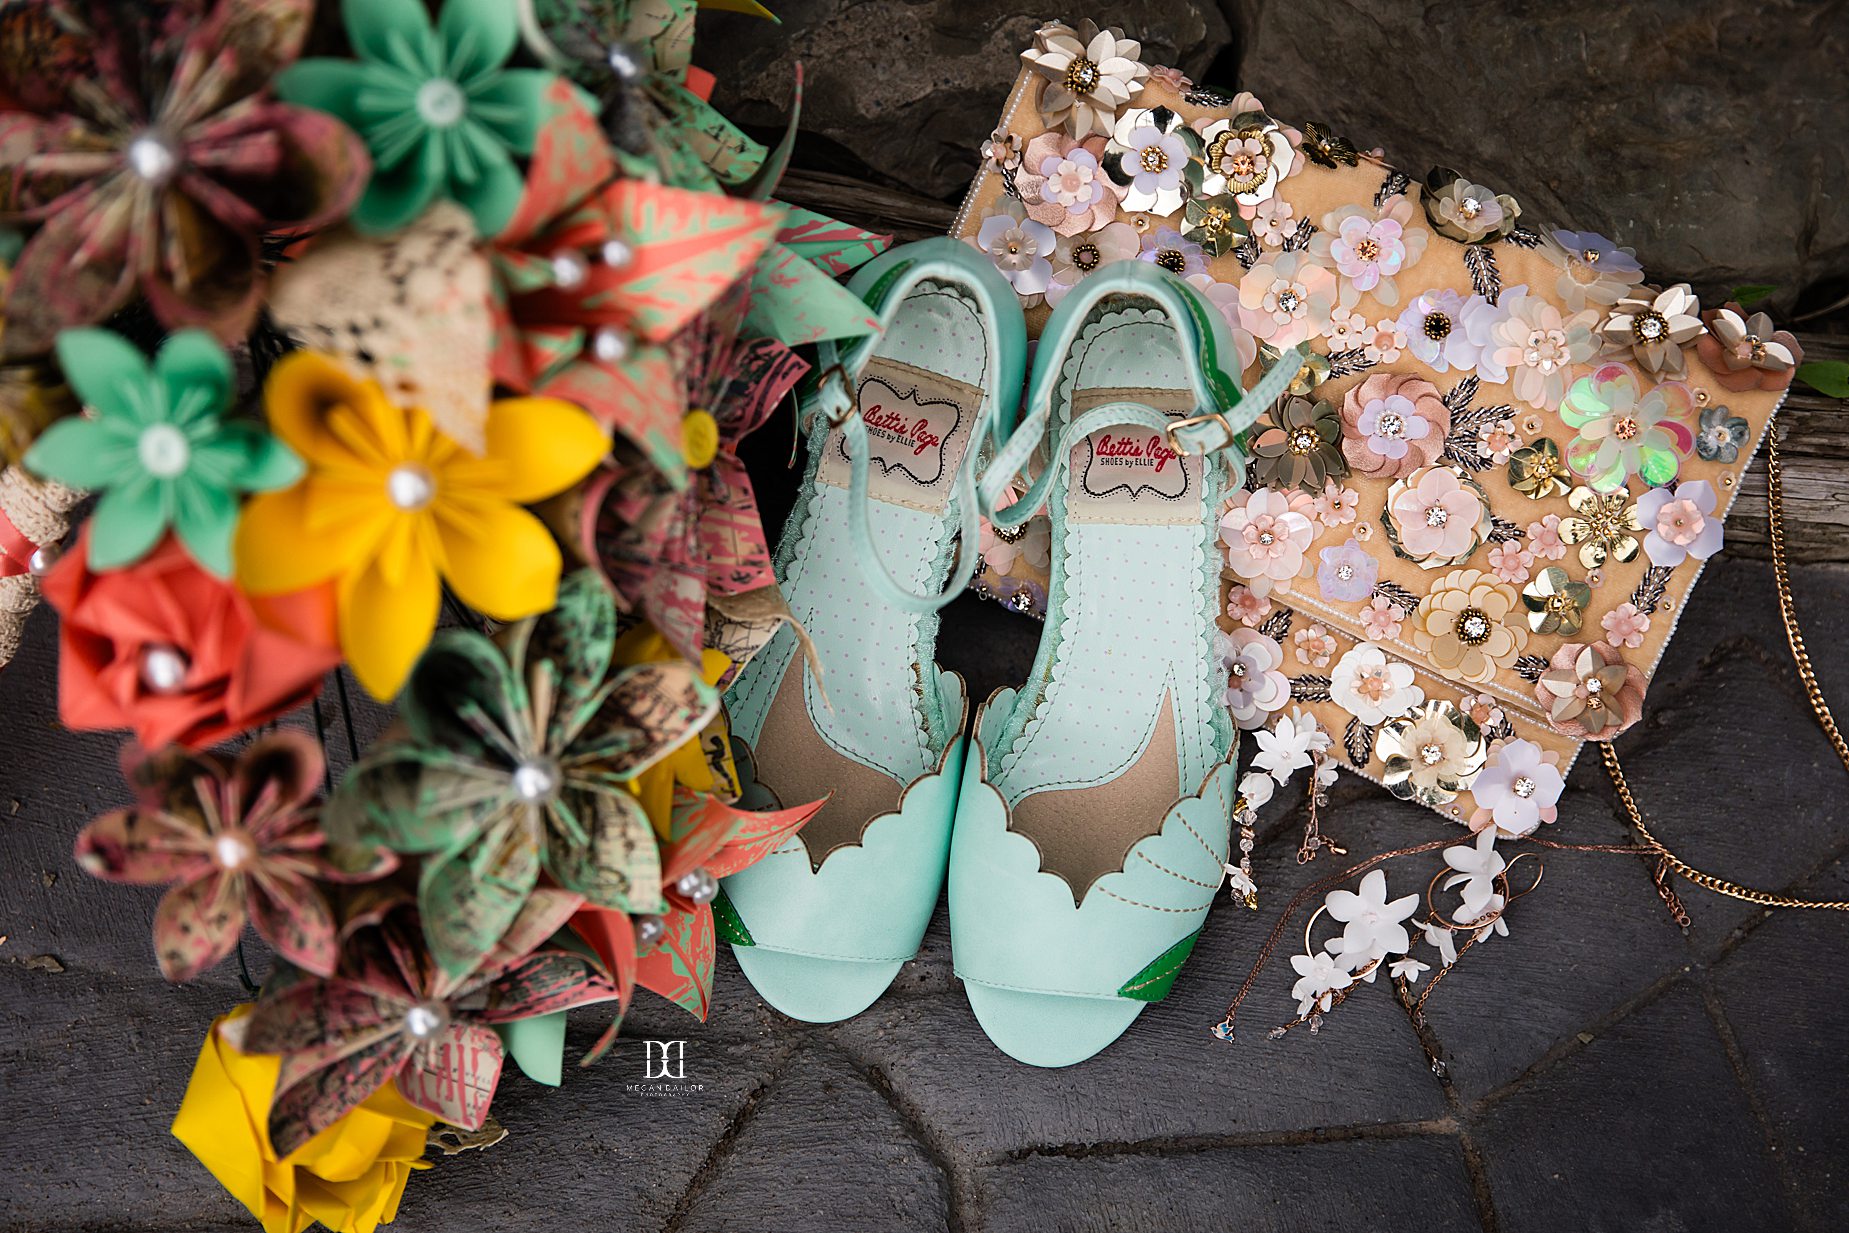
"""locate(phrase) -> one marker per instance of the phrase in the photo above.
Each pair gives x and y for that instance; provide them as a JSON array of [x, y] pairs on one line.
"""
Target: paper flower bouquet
[[416, 341]]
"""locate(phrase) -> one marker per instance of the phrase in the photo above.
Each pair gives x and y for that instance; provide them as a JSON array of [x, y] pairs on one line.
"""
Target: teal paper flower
[[158, 447], [437, 107]]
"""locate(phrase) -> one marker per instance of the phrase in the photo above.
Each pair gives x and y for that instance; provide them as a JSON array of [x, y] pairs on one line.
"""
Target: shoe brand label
[[918, 427], [1131, 473]]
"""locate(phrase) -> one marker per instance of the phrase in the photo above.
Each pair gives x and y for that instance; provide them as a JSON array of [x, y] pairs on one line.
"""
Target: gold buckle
[[1175, 426], [852, 407]]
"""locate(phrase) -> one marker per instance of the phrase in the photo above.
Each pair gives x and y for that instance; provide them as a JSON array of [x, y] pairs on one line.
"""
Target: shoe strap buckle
[[1176, 429]]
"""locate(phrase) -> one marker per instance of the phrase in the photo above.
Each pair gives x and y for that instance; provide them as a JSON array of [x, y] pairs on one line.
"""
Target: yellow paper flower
[[349, 1177], [691, 765], [391, 508]]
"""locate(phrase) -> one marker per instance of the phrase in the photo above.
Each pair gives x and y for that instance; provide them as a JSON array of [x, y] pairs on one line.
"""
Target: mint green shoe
[[1095, 814], [897, 430]]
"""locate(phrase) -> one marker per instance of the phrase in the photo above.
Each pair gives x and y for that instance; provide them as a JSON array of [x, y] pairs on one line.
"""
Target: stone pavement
[[1599, 1070]]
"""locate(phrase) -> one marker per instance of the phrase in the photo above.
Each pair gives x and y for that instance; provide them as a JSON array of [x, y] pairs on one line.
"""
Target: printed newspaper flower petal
[[680, 967], [688, 247], [795, 302], [618, 865], [468, 896], [196, 924], [455, 1075]]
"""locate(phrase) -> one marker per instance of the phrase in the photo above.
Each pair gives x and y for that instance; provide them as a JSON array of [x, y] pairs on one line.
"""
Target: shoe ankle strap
[[1207, 434]]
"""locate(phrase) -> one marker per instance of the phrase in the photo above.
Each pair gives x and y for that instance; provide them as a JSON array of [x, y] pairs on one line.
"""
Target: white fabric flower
[[1321, 978], [1376, 927], [1020, 248], [1373, 688], [1441, 939], [1497, 927], [1478, 866], [1518, 788], [1409, 968], [1286, 746], [1256, 787], [1238, 882]]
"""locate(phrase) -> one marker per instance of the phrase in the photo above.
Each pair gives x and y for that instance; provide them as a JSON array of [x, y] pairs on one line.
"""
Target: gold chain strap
[[1787, 608]]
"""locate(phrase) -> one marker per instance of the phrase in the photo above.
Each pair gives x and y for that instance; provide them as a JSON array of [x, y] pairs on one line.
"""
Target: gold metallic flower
[[1313, 371], [1537, 471], [1213, 223], [1605, 526], [1431, 754], [1556, 604]]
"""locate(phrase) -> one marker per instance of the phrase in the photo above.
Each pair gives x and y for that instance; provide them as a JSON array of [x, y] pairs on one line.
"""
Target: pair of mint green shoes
[[1083, 825]]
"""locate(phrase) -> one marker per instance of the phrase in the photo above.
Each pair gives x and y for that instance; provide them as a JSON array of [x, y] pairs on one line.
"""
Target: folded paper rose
[[348, 1177], [179, 656]]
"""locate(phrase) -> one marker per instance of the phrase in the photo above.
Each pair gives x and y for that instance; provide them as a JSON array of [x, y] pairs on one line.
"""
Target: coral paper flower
[[236, 842], [391, 508], [348, 1177], [179, 656], [158, 448], [148, 151], [435, 105]]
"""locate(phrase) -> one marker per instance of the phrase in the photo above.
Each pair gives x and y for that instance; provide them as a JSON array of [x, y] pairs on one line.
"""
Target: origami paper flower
[[1746, 351], [592, 277], [236, 841], [159, 448], [441, 113], [388, 1015], [142, 143], [348, 1177], [1625, 430], [1589, 692], [710, 839], [1299, 445], [391, 508], [665, 551], [517, 758], [179, 656]]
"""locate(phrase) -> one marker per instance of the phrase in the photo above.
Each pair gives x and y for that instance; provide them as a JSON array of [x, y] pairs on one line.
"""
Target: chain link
[[1787, 608]]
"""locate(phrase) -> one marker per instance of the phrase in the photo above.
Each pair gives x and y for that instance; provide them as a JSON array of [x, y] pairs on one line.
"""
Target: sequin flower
[[143, 142], [1265, 540], [1299, 445], [1020, 248], [1392, 425], [1174, 252], [436, 105], [1722, 435], [1556, 603], [159, 448], [1625, 626], [1463, 626], [1372, 687], [1681, 523], [1382, 618], [1370, 247], [1063, 186], [1594, 272], [1603, 525], [1538, 347], [1286, 298], [1436, 516], [1746, 352], [1466, 212], [1446, 331], [1431, 754], [236, 842], [1088, 75], [1517, 790], [1537, 471], [1076, 256], [1624, 430], [1347, 573], [1590, 692], [1651, 329], [1256, 689]]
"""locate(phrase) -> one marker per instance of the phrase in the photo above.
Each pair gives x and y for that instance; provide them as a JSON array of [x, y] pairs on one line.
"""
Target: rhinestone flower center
[[1389, 425], [1523, 787], [1470, 207], [1288, 300], [1431, 754], [1436, 515], [1473, 626], [1368, 249], [1082, 76], [1649, 326], [1303, 441]]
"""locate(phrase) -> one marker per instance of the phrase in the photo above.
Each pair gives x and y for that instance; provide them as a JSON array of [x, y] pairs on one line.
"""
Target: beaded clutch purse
[[1464, 539]]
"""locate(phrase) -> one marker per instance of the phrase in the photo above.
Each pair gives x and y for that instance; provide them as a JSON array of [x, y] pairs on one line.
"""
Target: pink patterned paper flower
[[236, 842], [1681, 523], [1437, 515], [1265, 540], [1625, 626]]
